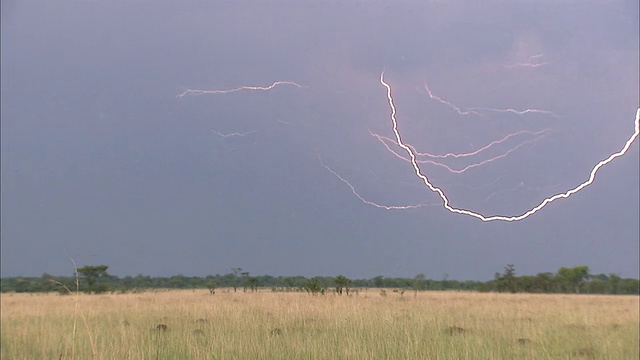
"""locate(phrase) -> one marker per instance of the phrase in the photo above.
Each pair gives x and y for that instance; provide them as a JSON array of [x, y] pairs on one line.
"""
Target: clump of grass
[[452, 330], [65, 289], [585, 351]]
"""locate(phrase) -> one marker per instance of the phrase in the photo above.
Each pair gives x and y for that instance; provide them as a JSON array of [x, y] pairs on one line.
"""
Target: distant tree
[[377, 281], [49, 283], [629, 287], [253, 283], [544, 282], [313, 286], [596, 286], [289, 282], [445, 282], [178, 282], [235, 272], [143, 281], [418, 283], [573, 278], [614, 283], [211, 285], [92, 274], [127, 284], [342, 283], [507, 281], [245, 280]]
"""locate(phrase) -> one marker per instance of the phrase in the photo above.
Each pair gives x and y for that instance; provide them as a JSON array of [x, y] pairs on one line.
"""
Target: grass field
[[268, 325]]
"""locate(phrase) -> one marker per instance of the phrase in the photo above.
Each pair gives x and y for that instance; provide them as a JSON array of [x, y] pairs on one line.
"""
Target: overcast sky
[[102, 160]]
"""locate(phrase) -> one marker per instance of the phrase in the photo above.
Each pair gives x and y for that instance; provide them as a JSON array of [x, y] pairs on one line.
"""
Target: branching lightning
[[533, 62], [517, 112], [479, 110], [461, 155], [383, 140], [242, 88], [486, 147], [249, 88], [353, 190], [445, 102], [232, 134], [413, 154], [445, 201]]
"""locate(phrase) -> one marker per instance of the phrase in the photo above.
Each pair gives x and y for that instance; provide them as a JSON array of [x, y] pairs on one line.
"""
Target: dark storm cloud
[[101, 158]]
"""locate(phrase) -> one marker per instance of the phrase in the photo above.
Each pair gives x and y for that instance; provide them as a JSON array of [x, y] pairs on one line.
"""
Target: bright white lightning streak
[[443, 101], [445, 200], [484, 161], [486, 147], [264, 88], [380, 138], [478, 110], [353, 190], [460, 155], [517, 112]]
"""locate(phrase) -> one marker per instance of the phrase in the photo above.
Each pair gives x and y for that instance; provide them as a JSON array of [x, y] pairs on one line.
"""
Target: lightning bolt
[[353, 190], [233, 134], [383, 138], [545, 202], [445, 102], [242, 88], [479, 110], [460, 155], [250, 88], [517, 112], [533, 62]]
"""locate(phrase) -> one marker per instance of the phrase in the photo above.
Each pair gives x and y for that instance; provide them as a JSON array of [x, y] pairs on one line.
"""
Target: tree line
[[566, 280], [96, 279]]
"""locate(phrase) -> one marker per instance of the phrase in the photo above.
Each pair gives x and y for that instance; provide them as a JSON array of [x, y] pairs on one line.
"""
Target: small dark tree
[[290, 283], [127, 284], [253, 283], [445, 281], [235, 272], [544, 281], [510, 277], [245, 280], [418, 283], [342, 283], [614, 283], [574, 277], [507, 281], [313, 286], [377, 281], [211, 285], [92, 274]]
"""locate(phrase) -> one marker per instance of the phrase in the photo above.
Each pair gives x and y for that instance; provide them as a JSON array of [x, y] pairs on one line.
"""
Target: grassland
[[267, 325]]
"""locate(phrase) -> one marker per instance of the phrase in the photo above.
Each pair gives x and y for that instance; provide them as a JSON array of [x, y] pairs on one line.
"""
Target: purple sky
[[101, 159]]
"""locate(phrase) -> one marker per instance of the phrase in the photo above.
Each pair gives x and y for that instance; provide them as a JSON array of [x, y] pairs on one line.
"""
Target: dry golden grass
[[266, 325]]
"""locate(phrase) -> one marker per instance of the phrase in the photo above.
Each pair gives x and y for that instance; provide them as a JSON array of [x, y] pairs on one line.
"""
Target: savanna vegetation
[[95, 279], [239, 316], [366, 324]]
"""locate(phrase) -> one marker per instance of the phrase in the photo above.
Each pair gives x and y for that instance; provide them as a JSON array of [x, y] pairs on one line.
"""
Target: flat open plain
[[190, 324]]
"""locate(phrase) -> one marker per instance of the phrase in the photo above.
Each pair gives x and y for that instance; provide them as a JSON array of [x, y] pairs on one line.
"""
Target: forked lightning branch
[[415, 158], [445, 200]]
